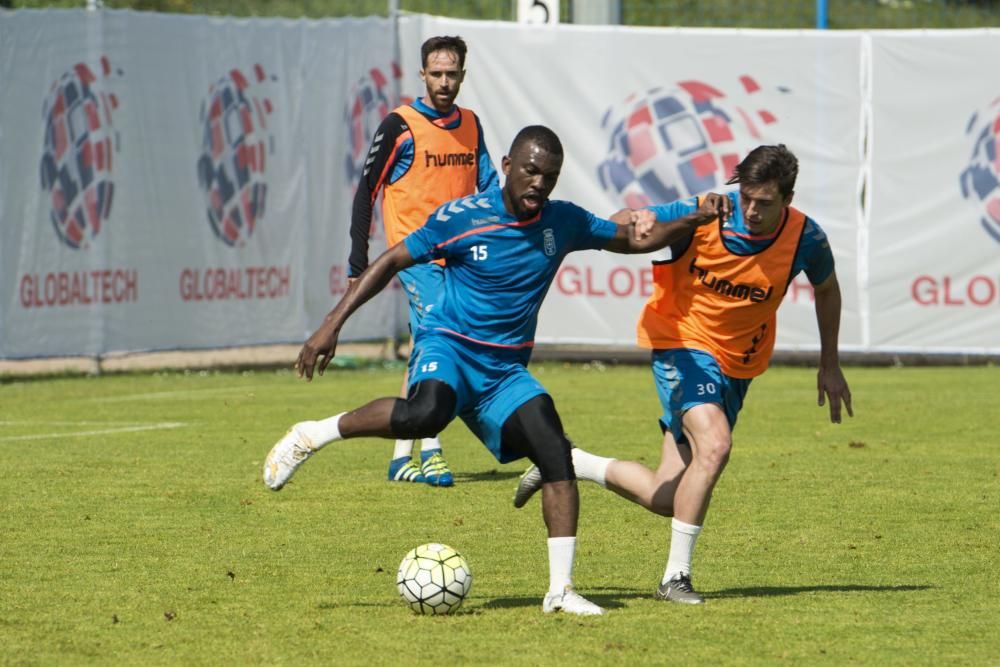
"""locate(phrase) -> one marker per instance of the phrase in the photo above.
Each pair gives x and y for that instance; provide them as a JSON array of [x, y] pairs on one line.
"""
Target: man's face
[[762, 207], [531, 174], [443, 77]]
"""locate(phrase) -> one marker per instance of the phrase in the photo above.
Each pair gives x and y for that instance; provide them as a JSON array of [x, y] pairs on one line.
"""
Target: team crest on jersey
[[549, 242]]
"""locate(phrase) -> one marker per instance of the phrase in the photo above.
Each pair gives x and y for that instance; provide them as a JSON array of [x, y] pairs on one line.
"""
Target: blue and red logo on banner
[[235, 145], [370, 99], [980, 180], [80, 141], [674, 142]]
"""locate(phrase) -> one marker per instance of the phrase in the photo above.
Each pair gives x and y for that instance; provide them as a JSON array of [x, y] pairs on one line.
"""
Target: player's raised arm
[[639, 232], [322, 345]]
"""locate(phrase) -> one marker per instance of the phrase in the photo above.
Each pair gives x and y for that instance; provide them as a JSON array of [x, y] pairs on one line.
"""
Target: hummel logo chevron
[[458, 206]]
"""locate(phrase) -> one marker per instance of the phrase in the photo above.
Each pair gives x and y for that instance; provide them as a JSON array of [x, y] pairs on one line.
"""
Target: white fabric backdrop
[[156, 248], [934, 277], [919, 271]]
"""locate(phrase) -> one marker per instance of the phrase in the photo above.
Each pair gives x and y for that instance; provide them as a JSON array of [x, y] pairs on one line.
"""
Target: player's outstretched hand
[[622, 217], [641, 219], [717, 206], [830, 383], [321, 347]]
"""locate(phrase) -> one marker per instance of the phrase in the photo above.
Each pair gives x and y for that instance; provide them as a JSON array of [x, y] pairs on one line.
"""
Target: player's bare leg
[[306, 438], [707, 430], [653, 489], [560, 508]]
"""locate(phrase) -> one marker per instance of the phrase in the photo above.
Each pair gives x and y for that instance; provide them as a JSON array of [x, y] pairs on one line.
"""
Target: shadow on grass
[[774, 591], [607, 597], [614, 598], [488, 476]]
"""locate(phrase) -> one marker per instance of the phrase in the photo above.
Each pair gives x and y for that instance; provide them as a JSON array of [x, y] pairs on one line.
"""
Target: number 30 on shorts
[[706, 388]]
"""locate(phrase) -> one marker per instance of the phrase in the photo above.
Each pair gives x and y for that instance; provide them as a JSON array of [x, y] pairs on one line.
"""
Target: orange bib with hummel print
[[445, 167], [713, 300]]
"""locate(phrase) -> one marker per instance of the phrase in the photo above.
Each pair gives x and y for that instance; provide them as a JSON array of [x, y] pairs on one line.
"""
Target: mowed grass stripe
[[135, 428]]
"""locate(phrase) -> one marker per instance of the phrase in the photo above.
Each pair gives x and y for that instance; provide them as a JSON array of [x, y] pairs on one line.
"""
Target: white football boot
[[529, 483], [570, 602], [287, 455]]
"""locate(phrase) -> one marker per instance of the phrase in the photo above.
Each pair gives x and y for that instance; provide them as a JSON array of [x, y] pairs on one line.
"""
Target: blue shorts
[[424, 284], [490, 383], [686, 378]]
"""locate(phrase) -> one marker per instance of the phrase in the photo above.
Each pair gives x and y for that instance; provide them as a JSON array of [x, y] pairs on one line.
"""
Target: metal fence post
[[821, 14]]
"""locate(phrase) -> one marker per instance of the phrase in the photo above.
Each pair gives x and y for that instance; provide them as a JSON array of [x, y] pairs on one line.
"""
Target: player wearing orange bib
[[422, 155], [711, 324]]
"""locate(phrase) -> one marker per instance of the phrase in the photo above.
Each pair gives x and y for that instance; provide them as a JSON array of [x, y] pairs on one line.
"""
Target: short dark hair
[[539, 135], [455, 44], [768, 163]]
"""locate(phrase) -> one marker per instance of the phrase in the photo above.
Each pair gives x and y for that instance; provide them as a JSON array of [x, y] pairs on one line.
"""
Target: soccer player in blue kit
[[502, 248]]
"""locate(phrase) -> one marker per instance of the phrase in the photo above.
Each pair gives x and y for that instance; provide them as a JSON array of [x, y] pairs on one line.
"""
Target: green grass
[[870, 542]]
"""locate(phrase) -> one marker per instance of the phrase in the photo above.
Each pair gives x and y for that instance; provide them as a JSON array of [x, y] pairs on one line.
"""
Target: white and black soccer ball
[[434, 579]]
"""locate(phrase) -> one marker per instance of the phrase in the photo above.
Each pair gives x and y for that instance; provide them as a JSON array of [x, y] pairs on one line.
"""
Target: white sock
[[322, 432], [428, 444], [403, 449], [590, 467], [561, 552], [682, 539]]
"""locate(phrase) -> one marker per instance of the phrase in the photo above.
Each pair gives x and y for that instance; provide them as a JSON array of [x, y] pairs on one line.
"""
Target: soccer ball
[[434, 579]]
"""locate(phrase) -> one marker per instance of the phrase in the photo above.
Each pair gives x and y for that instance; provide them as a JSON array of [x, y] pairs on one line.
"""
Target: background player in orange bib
[[422, 155], [711, 323]]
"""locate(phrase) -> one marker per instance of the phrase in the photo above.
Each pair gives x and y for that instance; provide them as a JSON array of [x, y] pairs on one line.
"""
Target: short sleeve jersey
[[498, 269]]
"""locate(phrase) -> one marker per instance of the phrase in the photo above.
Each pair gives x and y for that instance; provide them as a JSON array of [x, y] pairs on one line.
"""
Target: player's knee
[[554, 459], [535, 431], [418, 420], [425, 412], [714, 453]]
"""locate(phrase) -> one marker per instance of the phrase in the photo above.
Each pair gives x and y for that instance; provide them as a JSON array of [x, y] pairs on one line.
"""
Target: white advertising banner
[[934, 229], [182, 182], [652, 115], [172, 182]]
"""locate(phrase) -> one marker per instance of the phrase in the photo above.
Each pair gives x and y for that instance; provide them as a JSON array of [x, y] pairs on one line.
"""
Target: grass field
[[136, 530]]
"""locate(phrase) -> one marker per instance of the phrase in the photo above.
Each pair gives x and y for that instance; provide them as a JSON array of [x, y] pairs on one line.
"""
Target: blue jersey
[[498, 268], [814, 255]]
